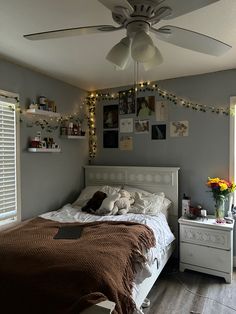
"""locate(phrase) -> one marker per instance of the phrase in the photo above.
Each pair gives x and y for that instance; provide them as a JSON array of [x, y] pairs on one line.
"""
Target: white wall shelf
[[44, 150], [73, 137], [44, 113]]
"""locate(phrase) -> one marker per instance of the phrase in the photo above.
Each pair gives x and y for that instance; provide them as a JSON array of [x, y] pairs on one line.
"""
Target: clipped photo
[[179, 128], [126, 102], [110, 139], [161, 110], [126, 143], [145, 106], [126, 125], [141, 126], [159, 132], [110, 117]]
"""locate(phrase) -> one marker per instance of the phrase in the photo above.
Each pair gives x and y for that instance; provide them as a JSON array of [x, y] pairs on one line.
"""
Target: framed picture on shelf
[[110, 117]]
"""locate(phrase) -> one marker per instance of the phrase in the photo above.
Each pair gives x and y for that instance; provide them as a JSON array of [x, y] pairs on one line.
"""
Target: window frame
[[13, 98]]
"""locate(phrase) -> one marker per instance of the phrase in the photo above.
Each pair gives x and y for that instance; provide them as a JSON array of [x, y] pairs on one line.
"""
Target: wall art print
[[161, 110], [145, 106], [126, 125], [159, 132], [141, 126], [110, 139], [126, 102], [110, 117], [126, 143], [179, 128]]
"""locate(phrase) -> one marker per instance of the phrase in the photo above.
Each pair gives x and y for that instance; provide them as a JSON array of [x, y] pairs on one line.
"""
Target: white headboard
[[152, 179]]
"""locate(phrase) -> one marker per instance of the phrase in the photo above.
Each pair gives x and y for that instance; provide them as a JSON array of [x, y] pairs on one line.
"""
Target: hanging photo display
[[126, 143], [110, 117], [159, 132], [161, 110], [126, 125], [126, 102], [110, 139], [179, 128], [141, 126], [145, 106]]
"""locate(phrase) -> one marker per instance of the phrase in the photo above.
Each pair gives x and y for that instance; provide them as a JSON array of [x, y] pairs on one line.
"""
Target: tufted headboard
[[152, 179]]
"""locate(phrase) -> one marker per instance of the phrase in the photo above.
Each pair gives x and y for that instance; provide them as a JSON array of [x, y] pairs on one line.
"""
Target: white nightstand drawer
[[207, 237], [207, 257]]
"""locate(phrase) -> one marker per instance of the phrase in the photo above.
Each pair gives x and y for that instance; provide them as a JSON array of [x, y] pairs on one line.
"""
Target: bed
[[150, 179]]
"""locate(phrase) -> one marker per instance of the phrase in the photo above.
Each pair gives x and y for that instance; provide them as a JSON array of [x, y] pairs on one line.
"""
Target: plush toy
[[107, 206], [122, 205], [95, 202]]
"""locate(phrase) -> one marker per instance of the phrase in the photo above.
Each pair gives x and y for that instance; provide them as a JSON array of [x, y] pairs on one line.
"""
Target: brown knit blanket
[[41, 275]]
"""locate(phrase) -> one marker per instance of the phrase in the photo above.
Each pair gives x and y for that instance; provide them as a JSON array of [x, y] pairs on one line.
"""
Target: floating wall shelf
[[44, 150], [44, 113], [73, 137]]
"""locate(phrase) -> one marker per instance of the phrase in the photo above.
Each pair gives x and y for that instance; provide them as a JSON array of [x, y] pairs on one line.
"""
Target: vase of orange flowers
[[220, 189]]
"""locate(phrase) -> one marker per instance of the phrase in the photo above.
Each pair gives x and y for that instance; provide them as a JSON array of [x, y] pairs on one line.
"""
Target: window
[[9, 198]]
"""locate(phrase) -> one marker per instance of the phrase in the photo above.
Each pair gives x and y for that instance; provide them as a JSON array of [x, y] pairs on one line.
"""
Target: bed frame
[[152, 179]]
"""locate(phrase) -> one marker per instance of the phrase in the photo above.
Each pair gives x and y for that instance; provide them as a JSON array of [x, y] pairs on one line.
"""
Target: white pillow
[[89, 190], [149, 204], [132, 190]]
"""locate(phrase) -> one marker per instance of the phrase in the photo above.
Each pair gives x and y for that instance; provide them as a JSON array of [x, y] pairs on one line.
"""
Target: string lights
[[176, 100], [91, 105]]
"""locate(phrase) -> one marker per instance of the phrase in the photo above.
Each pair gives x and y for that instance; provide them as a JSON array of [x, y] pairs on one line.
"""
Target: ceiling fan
[[138, 17]]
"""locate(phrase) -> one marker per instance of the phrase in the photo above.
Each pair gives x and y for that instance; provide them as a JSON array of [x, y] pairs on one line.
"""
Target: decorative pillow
[[88, 192], [147, 204]]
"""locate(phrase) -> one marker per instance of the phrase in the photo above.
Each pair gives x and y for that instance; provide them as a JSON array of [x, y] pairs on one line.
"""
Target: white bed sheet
[[157, 223]]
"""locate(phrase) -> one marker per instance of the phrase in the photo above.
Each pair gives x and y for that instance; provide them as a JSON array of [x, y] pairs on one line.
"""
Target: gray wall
[[47, 180], [205, 152]]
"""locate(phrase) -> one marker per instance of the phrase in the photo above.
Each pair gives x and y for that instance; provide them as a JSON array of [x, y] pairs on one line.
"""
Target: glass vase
[[220, 209]]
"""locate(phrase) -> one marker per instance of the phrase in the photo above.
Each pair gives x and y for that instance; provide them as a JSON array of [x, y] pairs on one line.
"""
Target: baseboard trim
[[234, 261]]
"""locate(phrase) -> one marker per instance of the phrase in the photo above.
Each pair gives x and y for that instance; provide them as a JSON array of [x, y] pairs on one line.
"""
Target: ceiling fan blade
[[76, 31], [191, 40], [113, 4], [184, 6]]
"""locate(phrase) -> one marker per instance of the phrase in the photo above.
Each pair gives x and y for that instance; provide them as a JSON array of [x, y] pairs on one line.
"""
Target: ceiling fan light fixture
[[154, 61], [142, 49], [119, 54]]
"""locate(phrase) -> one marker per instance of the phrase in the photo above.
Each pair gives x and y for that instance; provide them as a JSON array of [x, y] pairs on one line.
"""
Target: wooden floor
[[170, 296]]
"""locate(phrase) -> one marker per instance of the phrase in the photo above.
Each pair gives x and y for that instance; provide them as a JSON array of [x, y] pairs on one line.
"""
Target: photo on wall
[[179, 128], [126, 102], [141, 126], [110, 117], [126, 143], [110, 139], [126, 125], [159, 132], [161, 110], [145, 106]]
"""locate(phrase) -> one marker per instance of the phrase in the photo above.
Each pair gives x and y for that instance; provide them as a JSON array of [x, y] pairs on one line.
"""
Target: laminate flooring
[[179, 293]]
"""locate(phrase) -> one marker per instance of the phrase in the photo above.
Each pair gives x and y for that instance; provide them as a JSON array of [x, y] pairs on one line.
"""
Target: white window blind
[[8, 190]]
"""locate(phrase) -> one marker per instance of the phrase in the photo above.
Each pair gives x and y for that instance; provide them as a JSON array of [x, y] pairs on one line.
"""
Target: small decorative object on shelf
[[220, 189], [44, 104], [185, 205], [71, 129], [38, 145]]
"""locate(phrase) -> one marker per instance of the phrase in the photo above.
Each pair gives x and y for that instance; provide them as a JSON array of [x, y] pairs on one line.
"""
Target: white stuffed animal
[[122, 205], [107, 206]]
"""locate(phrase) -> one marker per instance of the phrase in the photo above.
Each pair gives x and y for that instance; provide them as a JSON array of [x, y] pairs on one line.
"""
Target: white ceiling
[[81, 61]]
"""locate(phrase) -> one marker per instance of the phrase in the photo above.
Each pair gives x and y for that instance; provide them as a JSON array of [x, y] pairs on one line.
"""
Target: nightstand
[[207, 247]]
